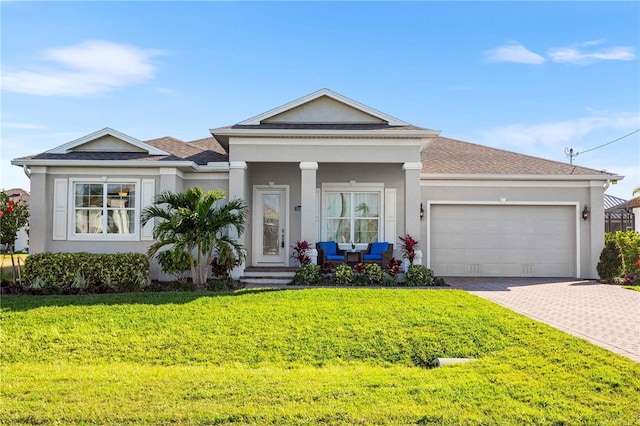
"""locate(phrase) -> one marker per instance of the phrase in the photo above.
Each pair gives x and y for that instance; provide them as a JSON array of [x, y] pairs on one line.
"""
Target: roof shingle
[[451, 156]]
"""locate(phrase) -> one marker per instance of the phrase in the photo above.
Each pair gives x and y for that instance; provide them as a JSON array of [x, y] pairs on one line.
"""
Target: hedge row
[[74, 273]]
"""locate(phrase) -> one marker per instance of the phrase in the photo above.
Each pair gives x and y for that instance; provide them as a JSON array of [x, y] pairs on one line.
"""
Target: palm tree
[[636, 191], [196, 222]]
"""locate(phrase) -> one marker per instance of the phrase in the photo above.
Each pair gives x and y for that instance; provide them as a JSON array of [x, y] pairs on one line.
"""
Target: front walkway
[[605, 315]]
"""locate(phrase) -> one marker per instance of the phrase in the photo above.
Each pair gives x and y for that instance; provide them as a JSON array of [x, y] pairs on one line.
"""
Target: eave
[[446, 176]]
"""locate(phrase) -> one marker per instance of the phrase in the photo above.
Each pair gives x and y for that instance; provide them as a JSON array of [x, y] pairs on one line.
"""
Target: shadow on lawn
[[25, 302]]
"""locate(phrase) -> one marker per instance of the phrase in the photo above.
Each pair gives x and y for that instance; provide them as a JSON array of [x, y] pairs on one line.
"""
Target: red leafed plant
[[408, 248], [301, 252]]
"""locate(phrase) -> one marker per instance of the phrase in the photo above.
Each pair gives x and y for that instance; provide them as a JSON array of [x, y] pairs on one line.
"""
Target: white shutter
[[60, 217], [146, 199], [318, 215], [390, 215]]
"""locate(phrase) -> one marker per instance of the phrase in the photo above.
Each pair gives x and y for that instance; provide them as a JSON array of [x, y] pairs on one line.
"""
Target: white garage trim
[[576, 206]]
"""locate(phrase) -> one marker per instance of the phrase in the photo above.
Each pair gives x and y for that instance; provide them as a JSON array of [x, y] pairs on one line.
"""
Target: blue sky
[[528, 77]]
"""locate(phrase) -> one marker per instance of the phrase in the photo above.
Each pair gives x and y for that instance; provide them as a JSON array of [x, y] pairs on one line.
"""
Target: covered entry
[[503, 240]]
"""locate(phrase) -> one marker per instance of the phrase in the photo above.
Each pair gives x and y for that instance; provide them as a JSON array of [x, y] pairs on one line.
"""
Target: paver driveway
[[606, 315]]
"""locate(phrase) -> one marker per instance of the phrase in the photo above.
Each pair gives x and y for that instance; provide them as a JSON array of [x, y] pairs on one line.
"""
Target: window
[[352, 216], [104, 208]]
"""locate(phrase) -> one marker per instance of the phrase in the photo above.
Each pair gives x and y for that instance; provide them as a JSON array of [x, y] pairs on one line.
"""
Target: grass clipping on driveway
[[329, 356]]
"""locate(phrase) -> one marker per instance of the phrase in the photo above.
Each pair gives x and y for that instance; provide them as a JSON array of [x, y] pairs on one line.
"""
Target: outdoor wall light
[[421, 212], [585, 212]]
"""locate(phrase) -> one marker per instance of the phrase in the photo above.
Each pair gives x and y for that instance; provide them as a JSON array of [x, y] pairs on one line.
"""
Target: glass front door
[[270, 216]]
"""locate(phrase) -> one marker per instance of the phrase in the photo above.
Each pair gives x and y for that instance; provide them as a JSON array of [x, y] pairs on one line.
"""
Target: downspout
[[606, 185], [26, 170]]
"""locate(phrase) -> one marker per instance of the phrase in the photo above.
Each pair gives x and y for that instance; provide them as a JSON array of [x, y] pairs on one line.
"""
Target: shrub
[[374, 273], [629, 243], [418, 275], [611, 265], [393, 268], [308, 274], [300, 252], [408, 247], [86, 272], [225, 260], [343, 274], [175, 262]]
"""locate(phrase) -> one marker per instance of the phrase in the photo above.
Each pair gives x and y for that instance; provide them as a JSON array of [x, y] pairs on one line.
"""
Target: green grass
[[319, 356], [633, 287]]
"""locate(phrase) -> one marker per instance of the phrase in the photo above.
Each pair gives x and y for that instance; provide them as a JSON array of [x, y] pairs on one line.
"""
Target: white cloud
[[561, 133], [513, 52], [89, 68], [12, 125], [574, 55]]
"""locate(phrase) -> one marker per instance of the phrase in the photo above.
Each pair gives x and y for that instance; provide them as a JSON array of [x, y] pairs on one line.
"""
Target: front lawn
[[322, 356]]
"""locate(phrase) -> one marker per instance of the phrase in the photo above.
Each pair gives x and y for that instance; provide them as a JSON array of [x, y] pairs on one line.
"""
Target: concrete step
[[268, 275]]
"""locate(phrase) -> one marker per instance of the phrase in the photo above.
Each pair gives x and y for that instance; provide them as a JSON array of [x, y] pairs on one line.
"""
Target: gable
[[331, 108], [106, 140], [107, 143], [324, 110]]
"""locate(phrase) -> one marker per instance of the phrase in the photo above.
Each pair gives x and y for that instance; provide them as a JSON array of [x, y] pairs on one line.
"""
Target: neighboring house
[[22, 237], [617, 216], [325, 167]]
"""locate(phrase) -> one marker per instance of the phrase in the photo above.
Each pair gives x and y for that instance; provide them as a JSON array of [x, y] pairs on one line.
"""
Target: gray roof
[[451, 156], [200, 151]]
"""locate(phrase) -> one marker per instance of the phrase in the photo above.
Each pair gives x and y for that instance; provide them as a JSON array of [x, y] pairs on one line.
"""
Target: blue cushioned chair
[[380, 253], [328, 251]]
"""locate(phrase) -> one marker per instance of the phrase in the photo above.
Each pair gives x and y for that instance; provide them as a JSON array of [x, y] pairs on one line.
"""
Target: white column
[[412, 199], [308, 205], [237, 186]]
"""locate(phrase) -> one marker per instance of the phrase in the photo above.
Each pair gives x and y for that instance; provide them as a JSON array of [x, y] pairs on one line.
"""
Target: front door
[[270, 230]]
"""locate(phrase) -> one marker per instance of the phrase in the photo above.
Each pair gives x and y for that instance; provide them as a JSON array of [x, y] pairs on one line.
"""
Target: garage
[[503, 240]]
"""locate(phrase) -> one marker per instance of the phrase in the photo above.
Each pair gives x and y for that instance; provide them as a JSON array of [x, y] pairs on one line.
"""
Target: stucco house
[[325, 167]]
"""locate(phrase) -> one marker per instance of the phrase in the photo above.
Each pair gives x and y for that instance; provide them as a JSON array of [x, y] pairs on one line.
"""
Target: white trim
[[148, 193], [107, 131], [308, 165], [237, 165], [146, 164], [73, 236], [327, 133], [412, 166], [315, 95], [506, 183], [256, 219], [506, 177], [575, 204]]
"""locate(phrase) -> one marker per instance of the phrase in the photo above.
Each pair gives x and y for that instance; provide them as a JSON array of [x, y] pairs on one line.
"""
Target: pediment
[[106, 140], [324, 110], [323, 107], [107, 143]]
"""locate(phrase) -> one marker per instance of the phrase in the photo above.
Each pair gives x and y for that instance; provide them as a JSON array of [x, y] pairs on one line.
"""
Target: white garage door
[[506, 241]]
